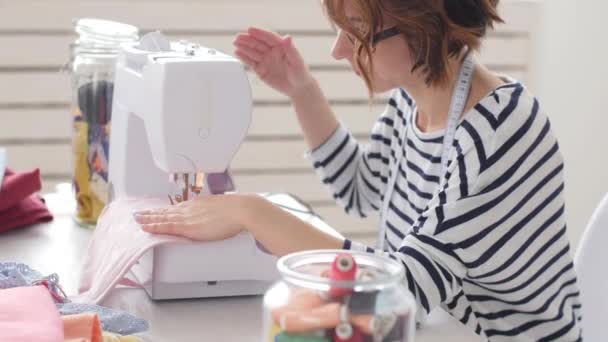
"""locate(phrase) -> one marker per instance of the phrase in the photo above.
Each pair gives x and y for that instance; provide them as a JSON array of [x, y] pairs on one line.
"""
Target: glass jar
[[336, 295], [92, 64]]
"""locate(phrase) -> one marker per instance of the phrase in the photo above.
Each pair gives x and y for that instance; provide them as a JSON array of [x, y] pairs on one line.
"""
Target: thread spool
[[343, 268], [306, 320], [345, 332]]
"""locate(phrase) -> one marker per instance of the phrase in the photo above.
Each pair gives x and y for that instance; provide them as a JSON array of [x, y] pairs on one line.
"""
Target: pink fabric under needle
[[109, 257]]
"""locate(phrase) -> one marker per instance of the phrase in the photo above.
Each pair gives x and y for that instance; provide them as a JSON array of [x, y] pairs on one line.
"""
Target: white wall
[[35, 115], [568, 73]]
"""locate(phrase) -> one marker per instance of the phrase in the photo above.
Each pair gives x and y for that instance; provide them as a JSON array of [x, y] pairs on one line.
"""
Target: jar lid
[[106, 29], [305, 268]]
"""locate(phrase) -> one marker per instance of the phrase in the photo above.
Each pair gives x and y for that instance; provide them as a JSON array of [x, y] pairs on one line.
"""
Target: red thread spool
[[345, 332], [343, 268]]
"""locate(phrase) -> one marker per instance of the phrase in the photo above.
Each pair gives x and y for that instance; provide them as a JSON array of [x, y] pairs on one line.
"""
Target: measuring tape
[[457, 103]]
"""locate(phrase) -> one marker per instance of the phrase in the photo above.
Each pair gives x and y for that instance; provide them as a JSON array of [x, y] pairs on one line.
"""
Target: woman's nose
[[341, 48]]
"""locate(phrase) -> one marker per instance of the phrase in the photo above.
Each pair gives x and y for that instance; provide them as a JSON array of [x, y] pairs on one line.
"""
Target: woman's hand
[[207, 218], [218, 217], [274, 59]]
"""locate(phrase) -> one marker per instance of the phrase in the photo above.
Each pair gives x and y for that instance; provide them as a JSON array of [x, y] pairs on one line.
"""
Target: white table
[[59, 246]]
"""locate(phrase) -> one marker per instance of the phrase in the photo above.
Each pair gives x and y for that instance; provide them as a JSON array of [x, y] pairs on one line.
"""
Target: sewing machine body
[[183, 109], [179, 108], [216, 269]]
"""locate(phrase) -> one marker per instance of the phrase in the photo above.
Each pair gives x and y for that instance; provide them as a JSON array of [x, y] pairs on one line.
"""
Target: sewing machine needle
[[170, 199], [186, 187]]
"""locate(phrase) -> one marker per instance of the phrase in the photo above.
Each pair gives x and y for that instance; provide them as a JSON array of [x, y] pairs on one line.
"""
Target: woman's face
[[391, 60]]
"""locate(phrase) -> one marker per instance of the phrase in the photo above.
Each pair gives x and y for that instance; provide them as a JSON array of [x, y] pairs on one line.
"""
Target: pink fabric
[[117, 243], [29, 314]]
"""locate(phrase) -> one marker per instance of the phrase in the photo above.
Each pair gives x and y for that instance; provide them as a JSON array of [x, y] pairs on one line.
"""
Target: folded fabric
[[109, 258], [29, 314], [14, 274], [19, 203], [114, 321], [18, 186], [81, 328]]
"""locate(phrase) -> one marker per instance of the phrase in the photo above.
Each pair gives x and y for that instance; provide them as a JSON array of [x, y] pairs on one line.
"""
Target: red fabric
[[19, 203]]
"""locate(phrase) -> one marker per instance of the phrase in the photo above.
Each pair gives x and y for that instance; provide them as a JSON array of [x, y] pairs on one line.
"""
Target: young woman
[[471, 196]]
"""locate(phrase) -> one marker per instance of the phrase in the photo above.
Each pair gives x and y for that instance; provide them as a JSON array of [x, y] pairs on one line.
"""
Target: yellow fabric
[[273, 332], [110, 337], [89, 205]]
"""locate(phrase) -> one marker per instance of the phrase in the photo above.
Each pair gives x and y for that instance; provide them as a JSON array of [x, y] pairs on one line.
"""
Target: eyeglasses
[[378, 37]]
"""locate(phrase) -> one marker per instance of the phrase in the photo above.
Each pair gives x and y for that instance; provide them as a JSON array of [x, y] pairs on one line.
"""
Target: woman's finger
[[149, 219], [168, 228], [254, 45], [249, 62], [155, 211], [252, 54], [252, 42], [291, 53], [270, 38]]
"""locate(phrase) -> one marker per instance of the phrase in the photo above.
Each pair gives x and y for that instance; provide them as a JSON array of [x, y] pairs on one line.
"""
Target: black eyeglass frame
[[380, 36]]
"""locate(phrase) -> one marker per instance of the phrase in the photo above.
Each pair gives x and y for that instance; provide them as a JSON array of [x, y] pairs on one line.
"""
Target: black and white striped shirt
[[487, 240]]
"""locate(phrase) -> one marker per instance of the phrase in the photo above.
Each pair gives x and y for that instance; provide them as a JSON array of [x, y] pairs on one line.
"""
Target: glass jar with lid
[[92, 64], [336, 295]]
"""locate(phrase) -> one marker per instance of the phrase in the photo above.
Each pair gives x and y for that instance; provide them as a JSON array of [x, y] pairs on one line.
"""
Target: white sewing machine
[[180, 113]]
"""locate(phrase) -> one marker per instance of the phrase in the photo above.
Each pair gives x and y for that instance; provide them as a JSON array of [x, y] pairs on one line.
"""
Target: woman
[[473, 209]]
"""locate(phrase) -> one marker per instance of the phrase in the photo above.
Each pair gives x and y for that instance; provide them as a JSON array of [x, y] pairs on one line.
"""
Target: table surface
[[59, 247]]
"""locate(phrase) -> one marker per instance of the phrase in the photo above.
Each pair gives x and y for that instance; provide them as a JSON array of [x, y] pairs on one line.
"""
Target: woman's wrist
[[304, 90], [250, 206], [312, 109], [278, 230]]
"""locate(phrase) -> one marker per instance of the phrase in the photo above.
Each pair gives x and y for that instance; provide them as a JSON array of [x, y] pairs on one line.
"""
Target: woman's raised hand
[[274, 59]]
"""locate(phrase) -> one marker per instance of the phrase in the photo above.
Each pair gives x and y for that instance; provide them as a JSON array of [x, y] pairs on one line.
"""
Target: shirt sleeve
[[356, 174]]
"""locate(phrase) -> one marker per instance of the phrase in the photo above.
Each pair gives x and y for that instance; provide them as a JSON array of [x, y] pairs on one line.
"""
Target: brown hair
[[435, 30]]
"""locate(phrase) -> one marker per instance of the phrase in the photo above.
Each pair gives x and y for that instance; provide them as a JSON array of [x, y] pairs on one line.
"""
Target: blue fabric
[[114, 321], [14, 275]]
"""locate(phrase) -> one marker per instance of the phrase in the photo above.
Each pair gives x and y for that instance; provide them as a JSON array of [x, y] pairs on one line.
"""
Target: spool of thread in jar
[[285, 337], [345, 332], [343, 268], [306, 320]]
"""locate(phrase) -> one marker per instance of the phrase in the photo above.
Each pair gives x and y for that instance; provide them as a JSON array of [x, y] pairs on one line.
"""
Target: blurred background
[[558, 48]]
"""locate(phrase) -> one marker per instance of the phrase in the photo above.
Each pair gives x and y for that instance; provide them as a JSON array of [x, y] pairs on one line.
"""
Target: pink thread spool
[[343, 268]]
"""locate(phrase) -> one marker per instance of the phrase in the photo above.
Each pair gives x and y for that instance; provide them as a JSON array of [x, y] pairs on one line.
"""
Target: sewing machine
[[180, 112]]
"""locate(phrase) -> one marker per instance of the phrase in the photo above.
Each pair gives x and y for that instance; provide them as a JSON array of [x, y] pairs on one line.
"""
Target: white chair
[[591, 264]]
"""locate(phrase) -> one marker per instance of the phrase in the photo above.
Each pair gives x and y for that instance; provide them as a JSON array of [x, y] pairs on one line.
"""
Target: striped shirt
[[486, 241]]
